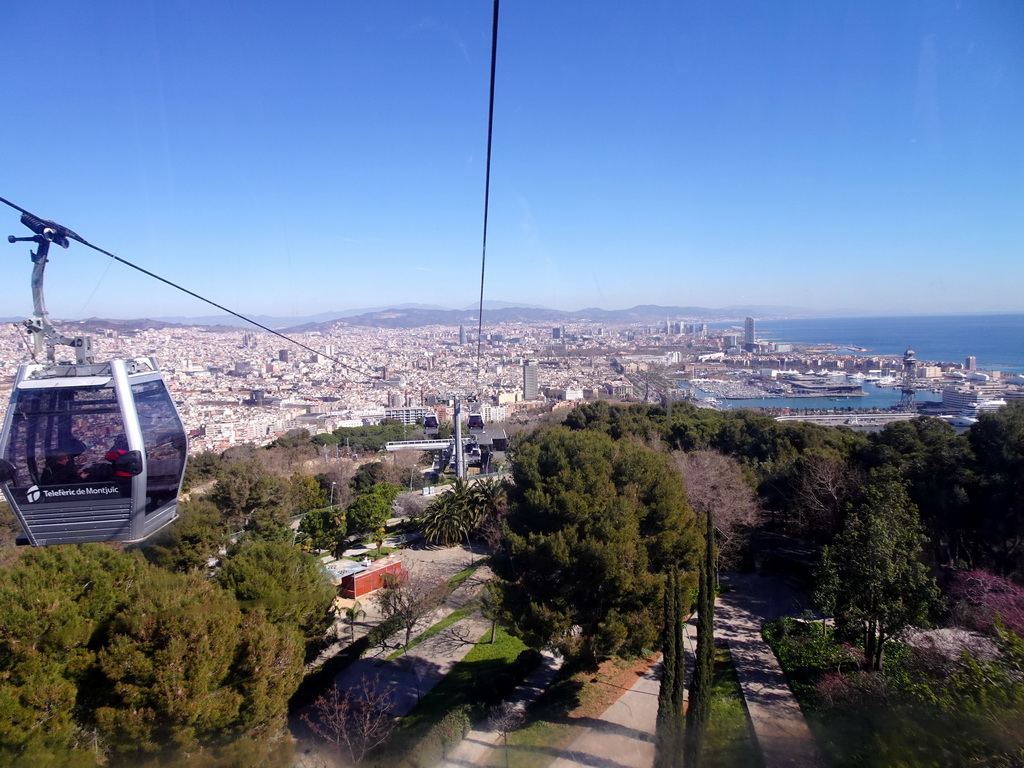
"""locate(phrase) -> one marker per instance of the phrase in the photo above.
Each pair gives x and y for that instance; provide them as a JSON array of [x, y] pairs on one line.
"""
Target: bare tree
[[357, 721], [827, 483], [505, 718], [406, 598], [715, 485], [403, 467]]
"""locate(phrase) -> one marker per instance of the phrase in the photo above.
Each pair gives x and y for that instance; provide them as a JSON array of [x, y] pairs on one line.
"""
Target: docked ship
[[969, 415]]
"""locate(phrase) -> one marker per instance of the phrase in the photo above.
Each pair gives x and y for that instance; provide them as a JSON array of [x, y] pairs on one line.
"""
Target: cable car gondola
[[89, 451], [430, 425], [475, 423]]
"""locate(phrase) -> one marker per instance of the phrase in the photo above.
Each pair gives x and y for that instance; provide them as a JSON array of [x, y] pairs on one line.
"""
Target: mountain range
[[418, 315]]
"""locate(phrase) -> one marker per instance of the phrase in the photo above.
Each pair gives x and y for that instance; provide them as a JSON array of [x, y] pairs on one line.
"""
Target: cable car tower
[[908, 403], [88, 451]]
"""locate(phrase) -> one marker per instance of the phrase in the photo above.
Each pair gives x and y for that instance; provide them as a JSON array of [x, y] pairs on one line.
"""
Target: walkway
[[415, 672], [782, 734], [479, 742], [623, 737]]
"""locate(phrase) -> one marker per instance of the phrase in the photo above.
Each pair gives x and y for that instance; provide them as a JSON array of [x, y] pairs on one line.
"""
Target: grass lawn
[[457, 615], [729, 740], [485, 672], [563, 711], [552, 723], [459, 578]]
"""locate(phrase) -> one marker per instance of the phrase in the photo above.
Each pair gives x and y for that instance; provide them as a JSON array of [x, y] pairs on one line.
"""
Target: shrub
[[977, 597]]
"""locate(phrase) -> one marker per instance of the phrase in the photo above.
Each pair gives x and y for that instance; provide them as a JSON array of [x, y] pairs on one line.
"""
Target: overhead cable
[[62, 232], [487, 182]]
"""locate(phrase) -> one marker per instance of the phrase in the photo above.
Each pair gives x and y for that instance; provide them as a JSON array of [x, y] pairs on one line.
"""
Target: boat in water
[[969, 415]]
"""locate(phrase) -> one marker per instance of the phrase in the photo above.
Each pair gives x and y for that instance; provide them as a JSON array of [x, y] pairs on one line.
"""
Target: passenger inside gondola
[[62, 465], [117, 450]]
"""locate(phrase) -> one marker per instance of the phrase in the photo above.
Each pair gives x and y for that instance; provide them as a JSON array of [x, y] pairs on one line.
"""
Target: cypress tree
[[682, 609], [666, 727], [703, 668], [669, 731]]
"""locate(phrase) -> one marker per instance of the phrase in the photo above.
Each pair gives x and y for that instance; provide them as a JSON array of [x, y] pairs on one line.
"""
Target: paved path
[[414, 673], [477, 746], [622, 737], [782, 734]]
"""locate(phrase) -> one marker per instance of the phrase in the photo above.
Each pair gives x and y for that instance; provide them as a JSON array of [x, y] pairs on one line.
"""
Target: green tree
[[872, 579], [699, 708], [306, 493], [591, 523], [201, 468], [244, 487], [452, 516], [325, 438], [490, 496], [141, 659], [936, 463], [290, 585], [445, 521], [669, 726], [370, 439], [352, 614], [323, 529], [168, 667], [191, 541], [367, 476], [54, 604], [997, 497], [368, 512]]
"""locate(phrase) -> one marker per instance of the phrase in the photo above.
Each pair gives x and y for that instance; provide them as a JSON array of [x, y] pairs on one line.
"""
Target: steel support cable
[[64, 231], [487, 183]]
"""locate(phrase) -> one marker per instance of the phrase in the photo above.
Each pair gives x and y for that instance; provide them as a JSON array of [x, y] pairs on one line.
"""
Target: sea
[[996, 341], [881, 398]]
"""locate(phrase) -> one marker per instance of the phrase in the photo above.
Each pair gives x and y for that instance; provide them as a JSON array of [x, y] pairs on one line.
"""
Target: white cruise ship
[[969, 415]]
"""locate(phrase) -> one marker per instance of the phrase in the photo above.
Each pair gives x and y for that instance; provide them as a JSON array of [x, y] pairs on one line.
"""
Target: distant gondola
[[430, 425], [475, 423]]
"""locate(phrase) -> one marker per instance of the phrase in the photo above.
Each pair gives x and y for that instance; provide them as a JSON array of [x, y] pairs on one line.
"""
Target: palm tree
[[488, 496], [445, 520], [352, 615]]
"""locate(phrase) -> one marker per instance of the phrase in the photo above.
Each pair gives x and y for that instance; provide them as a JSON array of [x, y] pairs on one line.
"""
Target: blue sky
[[289, 159]]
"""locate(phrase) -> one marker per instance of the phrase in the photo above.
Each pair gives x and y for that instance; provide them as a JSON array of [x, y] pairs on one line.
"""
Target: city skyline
[[859, 156]]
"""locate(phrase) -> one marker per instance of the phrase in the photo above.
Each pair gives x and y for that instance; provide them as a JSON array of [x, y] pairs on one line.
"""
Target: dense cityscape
[[236, 386], [618, 385]]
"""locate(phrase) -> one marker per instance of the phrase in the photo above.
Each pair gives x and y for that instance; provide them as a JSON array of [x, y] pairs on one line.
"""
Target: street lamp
[[332, 493]]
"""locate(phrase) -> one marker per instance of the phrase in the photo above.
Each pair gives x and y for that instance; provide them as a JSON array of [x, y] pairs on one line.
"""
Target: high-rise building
[[283, 355], [529, 379], [748, 331], [556, 332], [971, 364], [462, 334]]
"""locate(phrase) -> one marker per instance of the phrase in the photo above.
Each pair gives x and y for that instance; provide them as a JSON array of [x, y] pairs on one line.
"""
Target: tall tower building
[[748, 331], [907, 400], [462, 334], [971, 364], [556, 332], [529, 379]]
